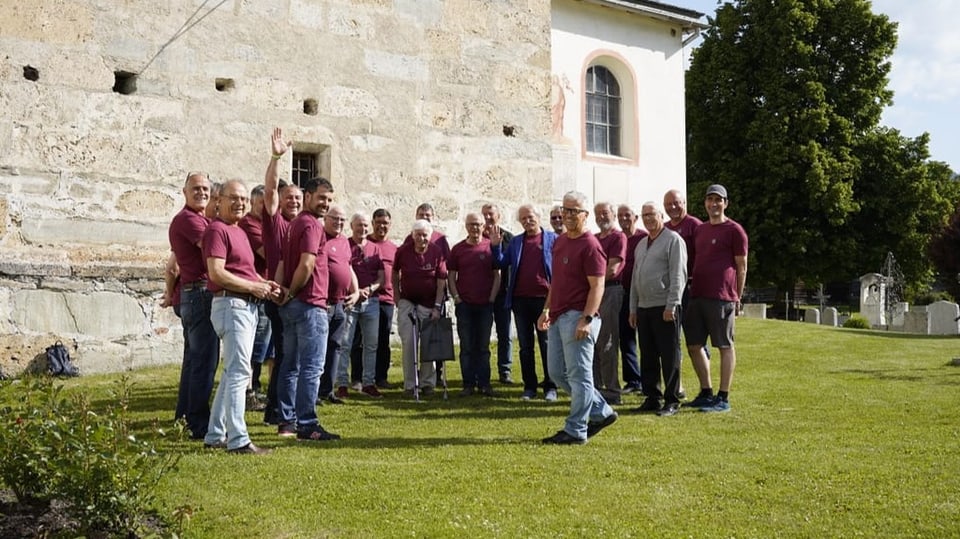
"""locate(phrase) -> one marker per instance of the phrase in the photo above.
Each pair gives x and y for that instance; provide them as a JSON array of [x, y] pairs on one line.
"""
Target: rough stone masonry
[[401, 102]]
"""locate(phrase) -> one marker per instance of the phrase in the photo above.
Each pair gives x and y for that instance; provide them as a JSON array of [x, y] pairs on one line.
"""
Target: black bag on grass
[[58, 361]]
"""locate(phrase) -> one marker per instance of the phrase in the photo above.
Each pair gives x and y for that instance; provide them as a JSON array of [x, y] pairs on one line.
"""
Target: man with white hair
[[658, 279]]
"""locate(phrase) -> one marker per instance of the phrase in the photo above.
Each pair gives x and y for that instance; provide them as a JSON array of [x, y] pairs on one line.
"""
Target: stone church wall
[[406, 101]]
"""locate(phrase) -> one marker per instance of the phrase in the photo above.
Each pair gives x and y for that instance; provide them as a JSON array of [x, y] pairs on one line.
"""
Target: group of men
[[285, 273]]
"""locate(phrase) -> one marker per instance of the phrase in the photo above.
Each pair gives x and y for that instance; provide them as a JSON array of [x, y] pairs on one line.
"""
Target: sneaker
[[562, 438], [528, 394], [286, 430], [315, 433], [249, 449], [669, 410], [681, 394], [594, 427], [342, 392], [649, 405], [372, 392], [717, 406], [466, 392], [628, 389], [506, 379], [551, 395], [357, 386], [487, 391], [703, 399], [222, 444]]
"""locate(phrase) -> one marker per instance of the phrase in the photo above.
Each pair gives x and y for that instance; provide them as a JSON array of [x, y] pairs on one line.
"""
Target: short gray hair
[[422, 224], [578, 196], [533, 209], [657, 207]]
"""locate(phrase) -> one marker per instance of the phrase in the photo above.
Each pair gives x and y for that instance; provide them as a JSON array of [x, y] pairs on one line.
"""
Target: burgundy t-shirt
[[186, 231], [231, 244], [686, 227], [715, 271], [573, 261], [437, 238], [306, 236], [419, 273], [254, 229], [474, 267], [531, 275], [614, 245], [366, 262], [627, 274], [388, 253], [276, 231], [337, 249]]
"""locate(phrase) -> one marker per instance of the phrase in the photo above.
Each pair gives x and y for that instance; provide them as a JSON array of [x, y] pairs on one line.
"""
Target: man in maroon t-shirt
[[382, 221], [606, 368], [628, 336], [579, 269], [201, 346], [253, 226], [305, 274], [425, 212], [719, 275], [363, 319], [342, 295], [420, 275], [474, 282], [238, 291]]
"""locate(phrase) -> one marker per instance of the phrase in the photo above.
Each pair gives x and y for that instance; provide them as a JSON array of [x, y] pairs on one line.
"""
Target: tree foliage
[[945, 253], [781, 97]]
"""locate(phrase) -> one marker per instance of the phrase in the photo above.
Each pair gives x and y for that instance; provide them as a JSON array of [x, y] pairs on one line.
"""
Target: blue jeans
[[235, 321], [571, 364], [366, 317], [628, 345], [501, 320], [336, 324], [526, 311], [261, 344], [204, 352], [305, 330], [474, 323]]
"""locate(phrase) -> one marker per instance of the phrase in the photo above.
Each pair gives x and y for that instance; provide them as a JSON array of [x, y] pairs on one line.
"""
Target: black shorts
[[711, 317]]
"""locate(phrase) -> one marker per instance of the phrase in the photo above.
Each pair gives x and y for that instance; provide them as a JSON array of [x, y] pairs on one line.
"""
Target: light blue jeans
[[235, 321], [571, 367], [305, 329], [367, 314]]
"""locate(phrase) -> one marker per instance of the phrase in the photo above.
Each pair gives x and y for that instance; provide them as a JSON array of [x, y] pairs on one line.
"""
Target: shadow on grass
[[896, 334], [937, 375]]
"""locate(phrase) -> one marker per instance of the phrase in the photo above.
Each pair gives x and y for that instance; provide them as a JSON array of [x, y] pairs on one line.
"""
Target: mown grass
[[833, 433]]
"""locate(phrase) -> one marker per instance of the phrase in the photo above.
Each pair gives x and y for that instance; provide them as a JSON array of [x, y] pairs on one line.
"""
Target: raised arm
[[271, 180]]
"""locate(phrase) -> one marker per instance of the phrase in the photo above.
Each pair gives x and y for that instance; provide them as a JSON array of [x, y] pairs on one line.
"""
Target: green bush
[[55, 446], [857, 322], [928, 297]]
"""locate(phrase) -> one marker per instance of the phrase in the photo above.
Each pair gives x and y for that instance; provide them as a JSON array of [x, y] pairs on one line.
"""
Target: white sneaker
[[357, 386], [551, 395]]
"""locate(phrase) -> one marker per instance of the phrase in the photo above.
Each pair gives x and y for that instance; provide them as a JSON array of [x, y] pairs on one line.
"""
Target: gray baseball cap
[[717, 189]]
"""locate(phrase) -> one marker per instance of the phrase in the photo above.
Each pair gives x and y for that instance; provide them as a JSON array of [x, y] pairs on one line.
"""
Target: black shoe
[[703, 399], [670, 409], [594, 427], [506, 379], [649, 405], [333, 399], [466, 392], [487, 391], [271, 417], [383, 384], [562, 438], [315, 433], [249, 449]]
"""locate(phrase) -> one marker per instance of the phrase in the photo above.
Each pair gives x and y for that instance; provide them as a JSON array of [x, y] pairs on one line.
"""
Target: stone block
[[811, 316], [395, 66], [943, 318], [755, 310], [916, 321], [100, 314], [425, 12], [344, 102], [59, 230], [307, 14], [51, 21], [351, 22], [830, 317]]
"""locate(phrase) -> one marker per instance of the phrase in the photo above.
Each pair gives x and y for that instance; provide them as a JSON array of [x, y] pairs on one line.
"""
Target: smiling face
[[421, 239], [675, 205], [556, 220], [232, 202], [627, 219], [574, 216], [318, 202], [291, 201], [196, 191], [359, 227], [715, 206], [381, 227], [652, 218], [474, 225], [529, 220], [604, 216], [334, 220], [491, 214]]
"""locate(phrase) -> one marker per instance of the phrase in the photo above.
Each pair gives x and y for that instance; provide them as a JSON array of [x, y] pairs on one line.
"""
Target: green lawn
[[833, 433]]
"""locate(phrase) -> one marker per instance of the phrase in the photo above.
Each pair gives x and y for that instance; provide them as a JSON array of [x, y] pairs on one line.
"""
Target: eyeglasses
[[572, 211], [556, 218]]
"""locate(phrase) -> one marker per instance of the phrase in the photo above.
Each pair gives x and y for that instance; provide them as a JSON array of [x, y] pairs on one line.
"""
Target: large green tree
[[778, 94]]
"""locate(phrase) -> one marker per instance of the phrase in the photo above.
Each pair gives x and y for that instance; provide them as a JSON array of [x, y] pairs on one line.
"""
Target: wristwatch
[[588, 318]]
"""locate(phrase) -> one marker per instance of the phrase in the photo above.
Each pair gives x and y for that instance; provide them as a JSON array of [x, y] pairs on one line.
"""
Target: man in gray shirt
[[659, 276]]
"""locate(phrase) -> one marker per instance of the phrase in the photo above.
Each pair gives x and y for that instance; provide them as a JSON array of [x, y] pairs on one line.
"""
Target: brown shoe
[[249, 449]]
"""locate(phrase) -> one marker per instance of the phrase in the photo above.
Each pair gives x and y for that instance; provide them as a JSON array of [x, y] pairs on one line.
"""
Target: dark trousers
[[337, 318], [628, 345], [204, 351], [526, 311], [501, 320], [659, 354], [474, 323], [276, 328], [183, 390]]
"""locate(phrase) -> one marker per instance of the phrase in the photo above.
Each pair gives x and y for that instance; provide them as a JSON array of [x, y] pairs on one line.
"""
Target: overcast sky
[[925, 76]]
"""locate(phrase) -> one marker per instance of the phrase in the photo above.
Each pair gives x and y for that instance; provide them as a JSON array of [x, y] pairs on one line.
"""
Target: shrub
[[55, 446], [857, 322], [930, 296]]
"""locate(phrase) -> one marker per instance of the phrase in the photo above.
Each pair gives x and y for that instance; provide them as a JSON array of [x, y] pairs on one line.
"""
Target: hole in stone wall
[[509, 130], [124, 82], [225, 85], [31, 73], [310, 107]]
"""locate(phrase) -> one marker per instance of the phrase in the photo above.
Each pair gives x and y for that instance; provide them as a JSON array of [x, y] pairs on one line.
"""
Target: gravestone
[[811, 316], [872, 299], [896, 318], [943, 318], [755, 310], [830, 317], [916, 321]]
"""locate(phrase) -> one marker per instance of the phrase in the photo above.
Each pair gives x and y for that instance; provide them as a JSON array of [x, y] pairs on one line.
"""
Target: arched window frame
[[622, 70], [603, 111]]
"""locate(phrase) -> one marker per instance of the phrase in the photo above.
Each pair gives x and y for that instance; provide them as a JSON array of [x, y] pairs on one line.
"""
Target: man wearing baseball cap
[[719, 275]]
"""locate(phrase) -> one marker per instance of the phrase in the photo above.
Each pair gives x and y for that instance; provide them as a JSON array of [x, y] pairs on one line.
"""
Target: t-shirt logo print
[[566, 260], [427, 267]]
